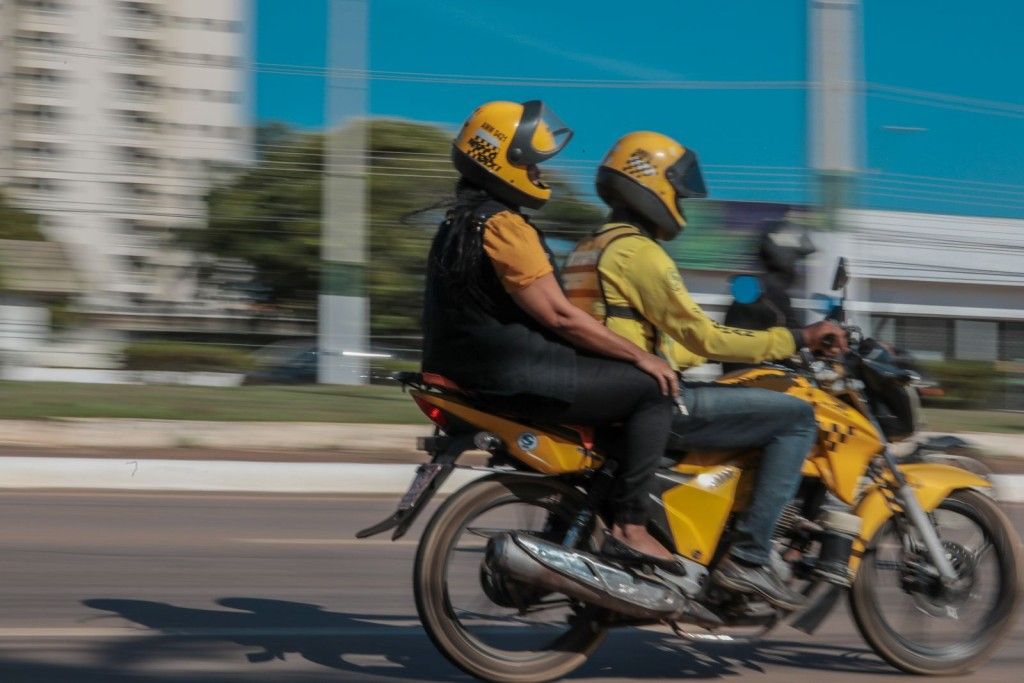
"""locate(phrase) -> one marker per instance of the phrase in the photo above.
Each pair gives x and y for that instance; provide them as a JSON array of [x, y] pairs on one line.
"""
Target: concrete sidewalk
[[150, 435], [271, 456], [122, 435], [256, 477]]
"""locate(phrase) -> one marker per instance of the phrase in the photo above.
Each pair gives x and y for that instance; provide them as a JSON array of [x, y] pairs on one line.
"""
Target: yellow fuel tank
[[847, 440]]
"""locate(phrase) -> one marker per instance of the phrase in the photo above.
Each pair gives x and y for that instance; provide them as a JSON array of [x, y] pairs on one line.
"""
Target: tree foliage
[[270, 216], [16, 224]]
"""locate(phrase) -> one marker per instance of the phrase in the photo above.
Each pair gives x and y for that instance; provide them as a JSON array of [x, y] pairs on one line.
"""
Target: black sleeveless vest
[[492, 347]]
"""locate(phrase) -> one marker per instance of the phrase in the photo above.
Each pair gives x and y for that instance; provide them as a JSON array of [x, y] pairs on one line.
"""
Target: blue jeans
[[729, 417]]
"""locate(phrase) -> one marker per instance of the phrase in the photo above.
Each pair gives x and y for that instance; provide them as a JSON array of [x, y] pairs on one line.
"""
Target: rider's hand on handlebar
[[660, 370], [825, 337]]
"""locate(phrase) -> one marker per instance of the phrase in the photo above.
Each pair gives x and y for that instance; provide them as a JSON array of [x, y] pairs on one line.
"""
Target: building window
[[137, 119], [40, 40], [225, 61], [39, 76], [139, 14], [976, 340], [49, 6], [38, 153], [138, 156], [36, 184], [138, 191], [137, 87], [38, 116], [140, 48], [927, 338], [1012, 338], [208, 24], [39, 81]]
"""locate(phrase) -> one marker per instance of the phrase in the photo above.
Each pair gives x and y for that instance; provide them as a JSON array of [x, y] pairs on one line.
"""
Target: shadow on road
[[380, 647], [368, 644]]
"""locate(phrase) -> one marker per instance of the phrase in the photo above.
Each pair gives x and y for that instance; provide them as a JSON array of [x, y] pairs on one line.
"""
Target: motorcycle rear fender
[[415, 500], [932, 484]]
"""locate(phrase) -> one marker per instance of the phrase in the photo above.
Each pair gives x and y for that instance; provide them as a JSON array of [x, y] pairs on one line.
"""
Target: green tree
[[270, 216], [16, 224]]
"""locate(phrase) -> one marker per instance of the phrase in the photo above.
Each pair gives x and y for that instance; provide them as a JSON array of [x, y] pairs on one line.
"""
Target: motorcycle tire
[[975, 648], [571, 649]]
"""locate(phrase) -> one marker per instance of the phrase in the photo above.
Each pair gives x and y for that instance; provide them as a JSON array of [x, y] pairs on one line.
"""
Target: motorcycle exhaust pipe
[[587, 578]]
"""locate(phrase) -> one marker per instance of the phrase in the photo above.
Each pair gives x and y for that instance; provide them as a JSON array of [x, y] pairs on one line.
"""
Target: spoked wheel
[[917, 625], [490, 627]]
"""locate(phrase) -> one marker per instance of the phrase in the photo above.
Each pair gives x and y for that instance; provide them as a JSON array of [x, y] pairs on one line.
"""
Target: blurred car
[[295, 361], [292, 361]]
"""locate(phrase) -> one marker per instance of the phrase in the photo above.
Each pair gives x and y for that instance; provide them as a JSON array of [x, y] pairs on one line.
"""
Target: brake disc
[[944, 602]]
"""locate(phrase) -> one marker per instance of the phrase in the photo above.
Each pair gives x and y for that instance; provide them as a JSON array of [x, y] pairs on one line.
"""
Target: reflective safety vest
[[584, 286]]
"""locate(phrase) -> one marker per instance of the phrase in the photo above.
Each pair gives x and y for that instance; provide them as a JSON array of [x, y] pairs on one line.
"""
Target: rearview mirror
[[841, 276]]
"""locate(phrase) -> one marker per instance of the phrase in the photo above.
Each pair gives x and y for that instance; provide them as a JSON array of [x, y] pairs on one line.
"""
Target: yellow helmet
[[501, 141], [649, 174]]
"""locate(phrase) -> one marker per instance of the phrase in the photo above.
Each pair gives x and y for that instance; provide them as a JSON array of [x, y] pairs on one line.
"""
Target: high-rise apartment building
[[113, 116]]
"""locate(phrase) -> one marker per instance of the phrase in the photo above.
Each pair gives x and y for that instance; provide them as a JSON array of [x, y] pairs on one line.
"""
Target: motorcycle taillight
[[433, 413]]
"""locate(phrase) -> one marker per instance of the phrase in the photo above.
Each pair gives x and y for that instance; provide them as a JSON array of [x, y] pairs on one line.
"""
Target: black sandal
[[614, 549]]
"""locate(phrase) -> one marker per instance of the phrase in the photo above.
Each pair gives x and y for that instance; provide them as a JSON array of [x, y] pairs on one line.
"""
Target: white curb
[[212, 475], [244, 476], [1009, 487]]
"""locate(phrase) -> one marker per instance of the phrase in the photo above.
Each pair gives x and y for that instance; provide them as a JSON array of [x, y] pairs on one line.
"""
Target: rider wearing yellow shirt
[[623, 277]]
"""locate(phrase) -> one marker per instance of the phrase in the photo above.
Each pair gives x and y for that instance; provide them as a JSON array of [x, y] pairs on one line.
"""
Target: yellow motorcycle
[[510, 583]]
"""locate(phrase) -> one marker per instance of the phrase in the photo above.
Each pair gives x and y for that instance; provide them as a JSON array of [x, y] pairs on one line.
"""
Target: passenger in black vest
[[496, 321]]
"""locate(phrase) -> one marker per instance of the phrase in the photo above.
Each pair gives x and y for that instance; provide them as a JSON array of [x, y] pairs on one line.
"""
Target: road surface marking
[[323, 541], [87, 632]]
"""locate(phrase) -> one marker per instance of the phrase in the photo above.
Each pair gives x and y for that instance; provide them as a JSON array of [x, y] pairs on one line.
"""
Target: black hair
[[458, 256]]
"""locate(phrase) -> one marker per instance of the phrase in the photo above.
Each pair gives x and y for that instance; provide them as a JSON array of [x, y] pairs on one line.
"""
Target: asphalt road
[[215, 588]]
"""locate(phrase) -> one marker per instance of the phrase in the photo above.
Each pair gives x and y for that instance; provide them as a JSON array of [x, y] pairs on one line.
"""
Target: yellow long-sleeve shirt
[[637, 272]]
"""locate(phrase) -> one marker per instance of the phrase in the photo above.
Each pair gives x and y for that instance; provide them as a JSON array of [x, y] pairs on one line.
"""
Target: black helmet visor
[[539, 136], [686, 177]]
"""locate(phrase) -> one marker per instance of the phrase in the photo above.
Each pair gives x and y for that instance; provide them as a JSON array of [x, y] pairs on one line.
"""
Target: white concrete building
[[943, 286], [112, 115]]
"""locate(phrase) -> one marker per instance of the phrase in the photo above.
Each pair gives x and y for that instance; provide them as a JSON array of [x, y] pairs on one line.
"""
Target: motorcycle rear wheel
[[930, 614], [434, 604]]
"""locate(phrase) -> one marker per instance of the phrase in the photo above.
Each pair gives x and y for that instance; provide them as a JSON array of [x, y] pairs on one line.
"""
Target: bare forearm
[[583, 332], [544, 300]]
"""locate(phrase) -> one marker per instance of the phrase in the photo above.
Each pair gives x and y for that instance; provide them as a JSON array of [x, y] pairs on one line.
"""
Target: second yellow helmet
[[648, 174]]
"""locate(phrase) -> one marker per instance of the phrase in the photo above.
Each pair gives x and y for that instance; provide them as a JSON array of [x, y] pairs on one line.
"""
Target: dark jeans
[[611, 391], [726, 417]]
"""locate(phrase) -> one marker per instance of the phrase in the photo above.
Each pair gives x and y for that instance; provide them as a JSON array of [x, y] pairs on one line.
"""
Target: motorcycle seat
[[436, 381], [441, 382], [428, 379]]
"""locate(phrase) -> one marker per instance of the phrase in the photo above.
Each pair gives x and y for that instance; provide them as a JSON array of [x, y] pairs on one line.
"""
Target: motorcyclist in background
[[780, 251], [623, 277]]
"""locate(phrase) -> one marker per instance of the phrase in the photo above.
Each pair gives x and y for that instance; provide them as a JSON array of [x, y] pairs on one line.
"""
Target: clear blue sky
[[750, 141]]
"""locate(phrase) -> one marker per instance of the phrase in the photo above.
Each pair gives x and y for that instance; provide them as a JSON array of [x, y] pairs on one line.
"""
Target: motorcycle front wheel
[[922, 628], [488, 627]]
